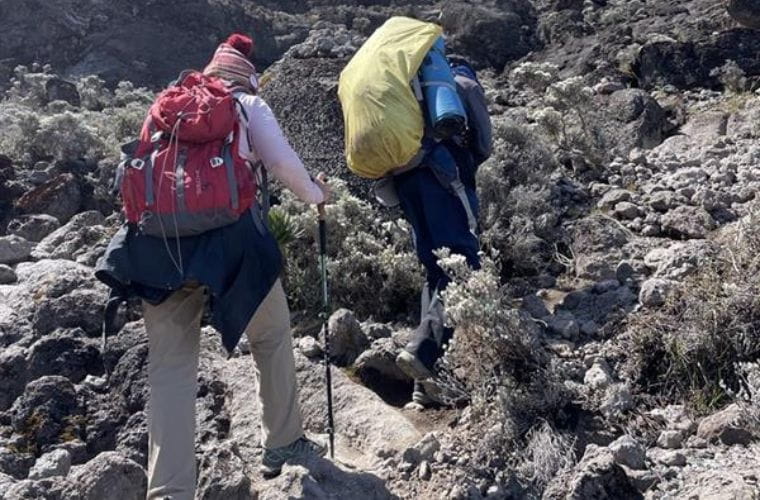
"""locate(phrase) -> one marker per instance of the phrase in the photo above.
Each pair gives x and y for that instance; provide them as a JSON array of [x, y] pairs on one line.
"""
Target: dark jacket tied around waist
[[238, 264]]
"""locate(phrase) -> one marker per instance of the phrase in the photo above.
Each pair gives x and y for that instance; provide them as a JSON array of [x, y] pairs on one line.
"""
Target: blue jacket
[[238, 264]]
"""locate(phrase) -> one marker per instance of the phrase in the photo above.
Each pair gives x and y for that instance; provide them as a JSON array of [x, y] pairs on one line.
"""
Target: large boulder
[[636, 120], [729, 426], [33, 227], [490, 36], [688, 64], [132, 40], [48, 412], [109, 475], [14, 249], [60, 197], [51, 464], [65, 353], [75, 239], [347, 339]]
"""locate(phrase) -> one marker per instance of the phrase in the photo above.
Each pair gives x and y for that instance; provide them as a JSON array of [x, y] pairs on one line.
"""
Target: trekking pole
[[325, 315]]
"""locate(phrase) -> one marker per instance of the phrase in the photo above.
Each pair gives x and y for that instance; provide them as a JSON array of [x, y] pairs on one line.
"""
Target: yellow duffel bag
[[383, 119]]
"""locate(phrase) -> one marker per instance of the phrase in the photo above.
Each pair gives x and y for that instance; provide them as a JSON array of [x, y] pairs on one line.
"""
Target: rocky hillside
[[608, 348]]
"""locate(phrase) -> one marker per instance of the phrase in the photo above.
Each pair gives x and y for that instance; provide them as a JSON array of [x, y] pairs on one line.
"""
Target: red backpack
[[185, 175]]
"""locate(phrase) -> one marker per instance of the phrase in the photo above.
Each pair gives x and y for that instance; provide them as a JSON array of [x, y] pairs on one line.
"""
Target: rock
[[223, 475], [643, 480], [671, 458], [63, 353], [688, 222], [47, 411], [613, 197], [347, 340], [662, 201], [14, 249], [309, 347], [55, 278], [76, 449], [75, 238], [696, 442], [488, 36], [15, 464], [131, 379], [368, 425], [42, 489], [78, 309], [132, 439], [428, 446], [624, 272], [627, 451], [563, 323], [598, 377], [595, 476], [13, 375], [33, 227], [318, 479], [745, 12], [637, 120], [51, 464], [424, 471], [655, 291], [627, 211], [533, 305], [6, 481], [617, 400], [108, 475], [728, 426], [380, 359], [60, 197], [687, 64], [596, 245], [670, 439], [679, 259], [7, 275]]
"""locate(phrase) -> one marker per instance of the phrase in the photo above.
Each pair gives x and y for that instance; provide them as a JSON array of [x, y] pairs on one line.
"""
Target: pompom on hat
[[230, 62]]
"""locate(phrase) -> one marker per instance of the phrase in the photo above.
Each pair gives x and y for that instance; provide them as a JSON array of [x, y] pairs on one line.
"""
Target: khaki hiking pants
[[174, 335]]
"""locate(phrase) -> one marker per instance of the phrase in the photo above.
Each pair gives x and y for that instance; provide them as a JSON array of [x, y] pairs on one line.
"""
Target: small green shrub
[[371, 264]]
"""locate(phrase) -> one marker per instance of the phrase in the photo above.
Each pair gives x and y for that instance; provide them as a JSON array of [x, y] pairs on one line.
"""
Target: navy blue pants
[[438, 220]]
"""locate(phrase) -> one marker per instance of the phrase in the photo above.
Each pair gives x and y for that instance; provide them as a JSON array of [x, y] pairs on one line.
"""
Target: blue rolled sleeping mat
[[445, 113]]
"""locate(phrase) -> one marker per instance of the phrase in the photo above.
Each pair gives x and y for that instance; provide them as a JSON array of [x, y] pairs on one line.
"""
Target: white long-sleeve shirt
[[269, 144]]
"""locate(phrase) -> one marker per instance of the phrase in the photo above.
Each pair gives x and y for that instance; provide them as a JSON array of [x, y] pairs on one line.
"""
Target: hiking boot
[[413, 366], [420, 397], [274, 458]]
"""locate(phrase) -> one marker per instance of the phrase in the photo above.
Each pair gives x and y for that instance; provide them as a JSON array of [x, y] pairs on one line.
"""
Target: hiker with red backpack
[[196, 232]]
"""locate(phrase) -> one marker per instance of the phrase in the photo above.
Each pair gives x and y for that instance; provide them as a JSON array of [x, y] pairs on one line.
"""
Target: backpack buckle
[[156, 136], [137, 163], [216, 162]]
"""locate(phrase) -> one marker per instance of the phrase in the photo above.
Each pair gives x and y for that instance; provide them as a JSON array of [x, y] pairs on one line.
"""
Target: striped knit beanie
[[230, 62]]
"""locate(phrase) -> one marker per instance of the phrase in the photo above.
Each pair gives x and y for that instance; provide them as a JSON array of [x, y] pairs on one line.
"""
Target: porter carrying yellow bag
[[382, 117]]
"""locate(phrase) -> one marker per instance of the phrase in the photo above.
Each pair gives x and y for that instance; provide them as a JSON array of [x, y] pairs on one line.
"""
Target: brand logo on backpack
[[185, 175]]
